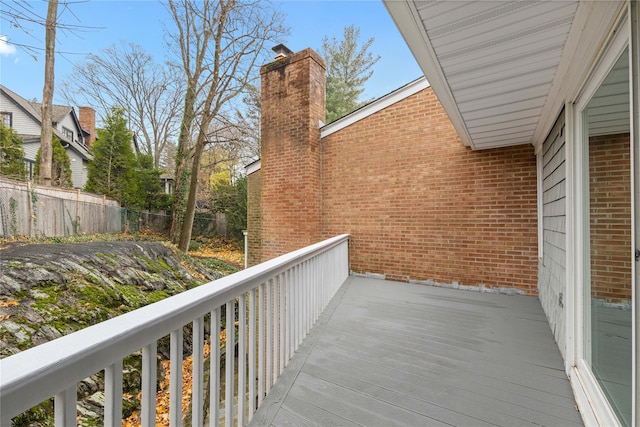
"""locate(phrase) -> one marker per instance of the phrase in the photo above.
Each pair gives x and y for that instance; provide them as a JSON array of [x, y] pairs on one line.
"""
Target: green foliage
[[11, 154], [111, 172], [216, 265], [231, 199], [348, 68], [60, 165], [149, 195]]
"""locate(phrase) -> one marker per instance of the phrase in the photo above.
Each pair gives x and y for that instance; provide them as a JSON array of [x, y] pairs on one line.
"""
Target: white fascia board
[[253, 167], [407, 19], [375, 106]]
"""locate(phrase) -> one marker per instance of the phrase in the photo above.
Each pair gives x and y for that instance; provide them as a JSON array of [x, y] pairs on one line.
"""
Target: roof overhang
[[491, 63]]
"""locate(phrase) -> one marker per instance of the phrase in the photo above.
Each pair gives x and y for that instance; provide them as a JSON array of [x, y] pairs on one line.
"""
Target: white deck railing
[[276, 303]]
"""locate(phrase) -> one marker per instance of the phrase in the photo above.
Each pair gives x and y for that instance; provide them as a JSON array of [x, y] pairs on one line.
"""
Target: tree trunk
[[182, 165], [46, 150], [187, 223]]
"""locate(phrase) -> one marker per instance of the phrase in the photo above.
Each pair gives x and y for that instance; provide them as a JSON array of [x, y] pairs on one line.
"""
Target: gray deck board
[[387, 353]]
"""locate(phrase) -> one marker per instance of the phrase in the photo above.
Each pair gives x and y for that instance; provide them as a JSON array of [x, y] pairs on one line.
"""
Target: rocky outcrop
[[49, 290]]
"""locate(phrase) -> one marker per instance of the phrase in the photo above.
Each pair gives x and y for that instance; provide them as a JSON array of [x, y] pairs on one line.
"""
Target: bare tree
[[125, 76], [46, 150], [220, 43]]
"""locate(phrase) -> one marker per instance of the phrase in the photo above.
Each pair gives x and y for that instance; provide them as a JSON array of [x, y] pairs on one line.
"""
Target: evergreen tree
[[111, 172], [150, 194], [11, 154], [60, 165], [231, 199], [348, 68]]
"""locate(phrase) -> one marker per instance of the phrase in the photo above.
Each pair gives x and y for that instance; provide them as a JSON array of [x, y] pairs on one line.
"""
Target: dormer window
[[7, 118], [68, 133]]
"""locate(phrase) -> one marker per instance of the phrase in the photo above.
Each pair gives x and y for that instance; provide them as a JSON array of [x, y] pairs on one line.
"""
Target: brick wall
[[254, 218], [292, 106], [87, 119], [419, 205], [610, 217]]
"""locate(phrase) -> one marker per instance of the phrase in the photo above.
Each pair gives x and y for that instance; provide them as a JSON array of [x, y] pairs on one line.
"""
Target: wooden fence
[[35, 211]]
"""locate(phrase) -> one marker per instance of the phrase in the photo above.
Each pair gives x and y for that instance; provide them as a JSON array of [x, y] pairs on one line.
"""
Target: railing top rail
[[33, 375]]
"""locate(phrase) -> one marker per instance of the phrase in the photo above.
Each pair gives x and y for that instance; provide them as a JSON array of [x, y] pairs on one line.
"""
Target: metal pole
[[245, 233]]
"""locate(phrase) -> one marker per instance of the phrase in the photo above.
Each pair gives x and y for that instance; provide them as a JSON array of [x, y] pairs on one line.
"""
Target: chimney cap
[[282, 51]]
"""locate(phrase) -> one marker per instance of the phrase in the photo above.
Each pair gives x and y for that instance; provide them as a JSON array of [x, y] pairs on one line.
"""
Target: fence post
[[77, 213], [104, 214], [29, 210], [64, 229]]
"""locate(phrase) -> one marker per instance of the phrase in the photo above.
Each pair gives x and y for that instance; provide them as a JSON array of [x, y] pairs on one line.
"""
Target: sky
[[105, 22]]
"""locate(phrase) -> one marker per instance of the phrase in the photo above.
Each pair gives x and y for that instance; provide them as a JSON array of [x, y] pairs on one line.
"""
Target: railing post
[[230, 350], [269, 335], [242, 360], [197, 399], [283, 322], [175, 379], [113, 395], [149, 387], [214, 370], [261, 343], [65, 408], [252, 353]]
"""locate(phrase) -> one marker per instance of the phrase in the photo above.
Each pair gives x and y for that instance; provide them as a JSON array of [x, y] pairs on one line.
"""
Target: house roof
[[492, 64], [58, 113]]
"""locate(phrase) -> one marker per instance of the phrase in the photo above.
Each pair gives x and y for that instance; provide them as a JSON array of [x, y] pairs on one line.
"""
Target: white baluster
[[214, 370], [197, 398], [229, 365], [175, 378], [65, 408], [113, 395], [149, 384]]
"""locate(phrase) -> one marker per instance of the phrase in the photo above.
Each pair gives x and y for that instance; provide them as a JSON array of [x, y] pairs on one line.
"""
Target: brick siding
[[610, 217], [292, 106], [420, 205]]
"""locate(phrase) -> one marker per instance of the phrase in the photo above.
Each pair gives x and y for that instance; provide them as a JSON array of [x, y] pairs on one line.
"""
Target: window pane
[[608, 293]]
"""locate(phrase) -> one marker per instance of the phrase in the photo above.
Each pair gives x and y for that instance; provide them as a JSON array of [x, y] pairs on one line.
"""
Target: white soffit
[[491, 63]]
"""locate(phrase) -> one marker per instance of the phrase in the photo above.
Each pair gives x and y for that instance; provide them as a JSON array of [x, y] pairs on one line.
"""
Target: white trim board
[[375, 106], [253, 167]]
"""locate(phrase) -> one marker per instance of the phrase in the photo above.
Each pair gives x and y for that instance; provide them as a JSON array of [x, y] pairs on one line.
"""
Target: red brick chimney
[[293, 106], [87, 118]]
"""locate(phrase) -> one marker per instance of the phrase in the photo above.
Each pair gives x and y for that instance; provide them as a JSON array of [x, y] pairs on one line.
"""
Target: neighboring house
[[513, 169], [166, 180], [76, 132]]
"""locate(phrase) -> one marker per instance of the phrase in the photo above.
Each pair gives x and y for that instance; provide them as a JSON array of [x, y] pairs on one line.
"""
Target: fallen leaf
[[10, 303]]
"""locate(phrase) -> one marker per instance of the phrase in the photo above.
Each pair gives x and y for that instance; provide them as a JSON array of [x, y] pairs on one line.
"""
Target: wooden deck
[[388, 354]]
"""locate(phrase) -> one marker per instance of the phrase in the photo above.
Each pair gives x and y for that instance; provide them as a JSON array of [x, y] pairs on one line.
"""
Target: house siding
[[552, 264], [70, 124], [31, 150], [419, 205], [78, 169], [23, 123]]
